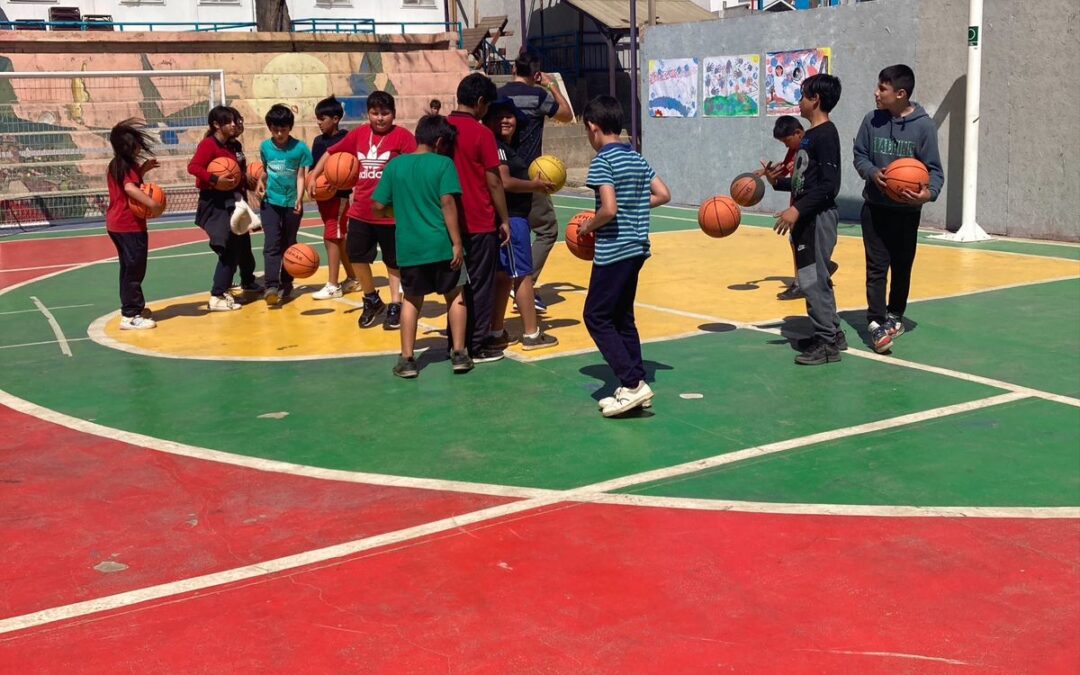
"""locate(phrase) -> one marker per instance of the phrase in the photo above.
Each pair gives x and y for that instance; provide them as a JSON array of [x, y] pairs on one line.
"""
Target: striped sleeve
[[600, 173]]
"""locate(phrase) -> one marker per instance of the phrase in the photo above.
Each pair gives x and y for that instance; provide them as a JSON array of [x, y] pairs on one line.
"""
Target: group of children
[[811, 172], [448, 208]]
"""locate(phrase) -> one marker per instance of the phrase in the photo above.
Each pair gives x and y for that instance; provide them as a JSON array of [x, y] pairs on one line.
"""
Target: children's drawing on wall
[[731, 86], [673, 88], [784, 74]]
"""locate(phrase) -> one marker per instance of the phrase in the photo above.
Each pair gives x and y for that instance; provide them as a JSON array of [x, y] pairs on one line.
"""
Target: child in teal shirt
[[282, 193], [422, 187]]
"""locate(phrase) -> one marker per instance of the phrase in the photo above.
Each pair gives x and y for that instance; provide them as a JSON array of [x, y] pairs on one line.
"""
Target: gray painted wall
[[1029, 177]]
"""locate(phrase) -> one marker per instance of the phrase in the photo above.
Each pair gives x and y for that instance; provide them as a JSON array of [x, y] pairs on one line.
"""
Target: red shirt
[[789, 162], [475, 153], [119, 217], [208, 150], [373, 151]]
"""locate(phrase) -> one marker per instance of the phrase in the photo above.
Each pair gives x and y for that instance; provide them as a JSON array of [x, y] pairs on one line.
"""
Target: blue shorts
[[515, 259]]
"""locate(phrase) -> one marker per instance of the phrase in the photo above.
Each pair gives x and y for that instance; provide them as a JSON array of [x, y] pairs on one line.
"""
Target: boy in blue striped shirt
[[626, 188]]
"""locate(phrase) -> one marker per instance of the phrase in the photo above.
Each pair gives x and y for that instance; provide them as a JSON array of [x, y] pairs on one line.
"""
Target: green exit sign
[[973, 36]]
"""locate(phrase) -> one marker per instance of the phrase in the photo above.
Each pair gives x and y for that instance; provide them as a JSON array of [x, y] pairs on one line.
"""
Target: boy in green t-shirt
[[421, 188]]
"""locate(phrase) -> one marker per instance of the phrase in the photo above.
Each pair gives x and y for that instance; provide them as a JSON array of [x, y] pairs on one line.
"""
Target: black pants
[[609, 317], [280, 225], [212, 215], [481, 260], [131, 249], [245, 260], [889, 239]]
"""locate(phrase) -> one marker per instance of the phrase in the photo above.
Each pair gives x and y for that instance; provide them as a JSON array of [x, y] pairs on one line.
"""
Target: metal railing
[[363, 26], [561, 52]]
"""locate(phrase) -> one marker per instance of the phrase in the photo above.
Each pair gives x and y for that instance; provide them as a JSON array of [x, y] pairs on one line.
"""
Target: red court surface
[[601, 588], [91, 500]]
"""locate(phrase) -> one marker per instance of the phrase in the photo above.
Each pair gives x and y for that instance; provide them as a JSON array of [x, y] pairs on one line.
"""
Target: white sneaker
[[350, 285], [608, 400], [223, 303], [627, 399], [136, 323], [328, 292]]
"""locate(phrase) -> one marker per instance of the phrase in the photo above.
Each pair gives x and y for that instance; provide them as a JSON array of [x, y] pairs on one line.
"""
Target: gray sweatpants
[[545, 226], [814, 244]]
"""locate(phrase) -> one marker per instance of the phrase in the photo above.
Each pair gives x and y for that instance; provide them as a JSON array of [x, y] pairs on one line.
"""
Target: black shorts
[[431, 278], [363, 238]]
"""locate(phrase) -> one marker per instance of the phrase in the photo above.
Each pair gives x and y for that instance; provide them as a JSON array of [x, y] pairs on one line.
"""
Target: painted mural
[[731, 85], [784, 73], [54, 133], [673, 88]]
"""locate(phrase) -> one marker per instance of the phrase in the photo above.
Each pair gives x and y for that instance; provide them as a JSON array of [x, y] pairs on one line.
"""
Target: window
[[142, 2], [219, 2], [330, 4], [417, 3]]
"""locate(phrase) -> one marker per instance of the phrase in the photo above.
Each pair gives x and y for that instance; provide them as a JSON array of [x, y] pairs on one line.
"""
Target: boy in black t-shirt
[[812, 217], [515, 257]]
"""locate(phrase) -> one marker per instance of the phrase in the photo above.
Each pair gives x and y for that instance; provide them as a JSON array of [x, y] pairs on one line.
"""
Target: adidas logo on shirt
[[371, 166]]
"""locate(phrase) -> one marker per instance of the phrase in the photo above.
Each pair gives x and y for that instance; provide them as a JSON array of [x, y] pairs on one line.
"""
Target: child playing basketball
[[216, 204], [812, 217], [626, 188], [422, 187], [897, 128], [515, 258], [243, 212], [374, 144], [126, 230], [328, 113], [281, 192]]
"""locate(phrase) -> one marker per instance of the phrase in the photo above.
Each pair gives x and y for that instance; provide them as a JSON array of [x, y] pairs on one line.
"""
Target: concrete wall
[[1029, 183]]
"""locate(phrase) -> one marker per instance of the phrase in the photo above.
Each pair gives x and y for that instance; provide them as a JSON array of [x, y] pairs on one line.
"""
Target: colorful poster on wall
[[731, 86], [673, 88], [784, 73]]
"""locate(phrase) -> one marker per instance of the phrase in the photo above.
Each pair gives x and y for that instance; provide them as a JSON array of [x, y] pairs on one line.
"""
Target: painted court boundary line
[[339, 553], [65, 349]]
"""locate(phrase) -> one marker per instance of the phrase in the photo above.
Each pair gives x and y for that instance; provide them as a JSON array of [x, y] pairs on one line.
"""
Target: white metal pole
[[969, 229]]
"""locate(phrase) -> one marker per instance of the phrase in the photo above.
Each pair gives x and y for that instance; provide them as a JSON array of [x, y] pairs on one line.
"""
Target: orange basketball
[[905, 173], [300, 261], [255, 170], [342, 170], [323, 189], [719, 216], [227, 171], [581, 245], [153, 191], [747, 189]]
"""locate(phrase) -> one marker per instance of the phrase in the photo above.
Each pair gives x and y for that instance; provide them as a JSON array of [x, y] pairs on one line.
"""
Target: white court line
[[45, 342], [60, 339], [39, 267], [865, 510], [339, 553], [24, 311]]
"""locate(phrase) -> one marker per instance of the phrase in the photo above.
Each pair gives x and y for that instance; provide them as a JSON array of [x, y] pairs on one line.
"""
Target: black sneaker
[[461, 362], [500, 342], [792, 292], [487, 355], [832, 267], [251, 287], [818, 353], [372, 308], [406, 368], [894, 326], [393, 316], [541, 341], [840, 341], [286, 292]]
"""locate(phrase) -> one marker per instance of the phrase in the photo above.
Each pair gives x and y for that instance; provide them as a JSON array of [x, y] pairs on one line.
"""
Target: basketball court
[[253, 491]]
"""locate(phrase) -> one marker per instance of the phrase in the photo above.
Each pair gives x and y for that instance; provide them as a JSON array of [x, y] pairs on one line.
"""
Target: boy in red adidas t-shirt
[[374, 144]]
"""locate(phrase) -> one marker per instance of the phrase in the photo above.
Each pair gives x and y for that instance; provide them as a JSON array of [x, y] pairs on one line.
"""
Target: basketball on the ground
[[153, 191], [300, 260], [906, 173], [719, 216], [227, 171], [342, 170], [550, 169], [323, 189], [581, 245], [747, 189], [255, 170]]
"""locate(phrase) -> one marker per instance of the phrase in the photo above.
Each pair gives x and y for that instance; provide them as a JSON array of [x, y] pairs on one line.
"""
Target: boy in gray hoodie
[[898, 128]]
